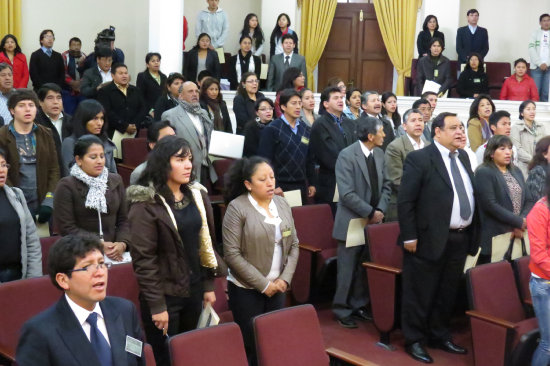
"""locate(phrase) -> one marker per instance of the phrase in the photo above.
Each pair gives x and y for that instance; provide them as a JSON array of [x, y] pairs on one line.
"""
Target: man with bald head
[[193, 124], [6, 88]]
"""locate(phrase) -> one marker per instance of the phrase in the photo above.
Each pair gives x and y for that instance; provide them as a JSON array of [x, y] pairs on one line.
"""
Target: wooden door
[[355, 50]]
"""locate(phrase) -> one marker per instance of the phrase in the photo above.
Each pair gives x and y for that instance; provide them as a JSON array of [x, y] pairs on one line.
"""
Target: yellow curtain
[[317, 19], [10, 18], [397, 21]]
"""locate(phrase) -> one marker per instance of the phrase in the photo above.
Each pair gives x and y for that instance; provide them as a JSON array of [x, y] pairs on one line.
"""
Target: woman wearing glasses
[[243, 61], [92, 200], [253, 129], [21, 256], [243, 104]]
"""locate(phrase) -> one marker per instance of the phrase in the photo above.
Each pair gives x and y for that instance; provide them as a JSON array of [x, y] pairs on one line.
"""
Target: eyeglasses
[[5, 166], [266, 109], [92, 268], [252, 81]]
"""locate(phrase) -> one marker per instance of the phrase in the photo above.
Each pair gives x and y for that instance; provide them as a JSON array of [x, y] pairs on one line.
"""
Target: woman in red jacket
[[519, 86], [538, 223], [10, 53]]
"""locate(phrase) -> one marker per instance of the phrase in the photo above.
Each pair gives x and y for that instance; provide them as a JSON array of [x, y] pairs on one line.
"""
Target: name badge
[[477, 80], [287, 233], [436, 73], [133, 346], [305, 140]]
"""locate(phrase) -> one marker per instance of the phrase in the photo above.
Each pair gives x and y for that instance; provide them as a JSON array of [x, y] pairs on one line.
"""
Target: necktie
[[72, 67], [49, 52], [287, 62], [465, 209], [99, 343], [373, 177]]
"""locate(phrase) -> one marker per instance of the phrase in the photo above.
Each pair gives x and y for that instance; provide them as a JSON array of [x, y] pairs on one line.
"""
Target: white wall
[[84, 19], [236, 12]]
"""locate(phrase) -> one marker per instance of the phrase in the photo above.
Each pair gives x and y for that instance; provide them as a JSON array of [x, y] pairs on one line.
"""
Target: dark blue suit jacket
[[55, 337], [465, 44]]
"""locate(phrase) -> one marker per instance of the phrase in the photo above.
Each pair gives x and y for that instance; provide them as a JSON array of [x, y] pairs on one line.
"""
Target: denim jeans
[[540, 293], [541, 78]]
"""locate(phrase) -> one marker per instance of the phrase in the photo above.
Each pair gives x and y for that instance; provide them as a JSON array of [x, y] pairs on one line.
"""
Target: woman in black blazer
[[169, 96], [501, 191], [243, 104], [434, 67], [212, 102], [243, 61], [151, 82], [429, 32], [198, 55]]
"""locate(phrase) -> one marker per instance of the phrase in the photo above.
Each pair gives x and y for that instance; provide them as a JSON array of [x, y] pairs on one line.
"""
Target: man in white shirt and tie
[[279, 63], [84, 328]]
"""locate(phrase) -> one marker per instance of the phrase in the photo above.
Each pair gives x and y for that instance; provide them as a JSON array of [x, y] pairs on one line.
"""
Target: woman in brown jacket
[[260, 244], [90, 192], [172, 229]]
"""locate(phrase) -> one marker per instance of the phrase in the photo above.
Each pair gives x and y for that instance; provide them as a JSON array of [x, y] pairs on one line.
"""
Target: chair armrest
[[122, 165], [348, 357], [381, 267], [491, 319], [309, 248], [5, 352], [528, 301]]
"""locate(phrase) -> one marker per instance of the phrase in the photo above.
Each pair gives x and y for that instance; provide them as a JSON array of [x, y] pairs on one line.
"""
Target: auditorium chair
[[122, 282], [19, 301], [501, 332], [221, 306], [221, 166], [316, 266], [292, 336], [496, 73], [384, 278], [45, 244], [134, 152], [523, 275], [218, 345]]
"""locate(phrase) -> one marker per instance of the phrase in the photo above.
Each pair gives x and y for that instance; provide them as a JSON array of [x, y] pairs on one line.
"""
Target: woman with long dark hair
[[245, 98], [307, 114], [152, 81], [478, 123], [292, 79], [170, 93], [253, 129], [244, 61], [172, 231], [430, 30], [261, 266], [434, 67], [538, 171], [281, 28], [389, 110], [353, 110], [89, 118], [10, 53], [92, 200], [251, 28], [212, 102], [200, 58], [473, 81]]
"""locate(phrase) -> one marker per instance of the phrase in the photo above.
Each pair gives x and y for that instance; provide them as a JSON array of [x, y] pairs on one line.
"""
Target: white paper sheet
[[294, 198], [356, 232], [226, 144]]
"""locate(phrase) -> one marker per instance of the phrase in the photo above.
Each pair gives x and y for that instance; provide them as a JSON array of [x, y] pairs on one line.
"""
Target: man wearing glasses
[[84, 327], [46, 65]]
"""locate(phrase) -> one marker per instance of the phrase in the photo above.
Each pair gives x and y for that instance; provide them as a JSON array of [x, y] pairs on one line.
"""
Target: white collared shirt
[[289, 59], [457, 222], [415, 144], [196, 122], [472, 28], [365, 149], [82, 314], [58, 123], [106, 76]]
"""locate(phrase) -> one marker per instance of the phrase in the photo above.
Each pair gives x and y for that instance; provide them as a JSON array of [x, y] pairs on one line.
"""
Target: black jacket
[[122, 110], [90, 81], [150, 89], [243, 107], [467, 43], [44, 69], [423, 41], [162, 105], [233, 69], [425, 70], [472, 82], [191, 64], [66, 130], [227, 127]]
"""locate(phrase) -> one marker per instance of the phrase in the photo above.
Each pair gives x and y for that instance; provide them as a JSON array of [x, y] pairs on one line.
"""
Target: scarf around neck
[[95, 199]]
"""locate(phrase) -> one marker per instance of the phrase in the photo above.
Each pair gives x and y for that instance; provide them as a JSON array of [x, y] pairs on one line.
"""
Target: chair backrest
[[221, 306], [149, 355], [46, 243], [314, 225], [134, 151], [290, 336], [492, 291], [20, 301], [382, 241], [523, 274], [123, 283], [221, 166], [218, 345]]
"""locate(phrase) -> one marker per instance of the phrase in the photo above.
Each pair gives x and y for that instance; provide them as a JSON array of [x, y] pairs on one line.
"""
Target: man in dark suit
[[372, 106], [364, 192], [99, 75], [438, 224], [84, 328], [471, 38], [46, 65], [328, 137], [124, 106], [279, 63], [51, 115]]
